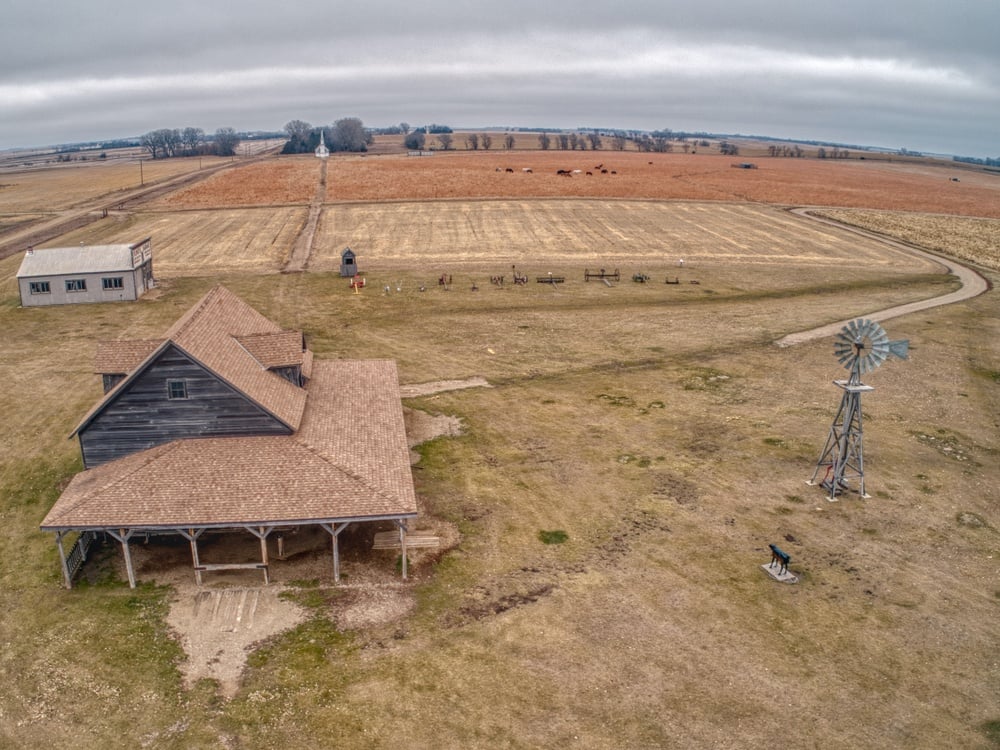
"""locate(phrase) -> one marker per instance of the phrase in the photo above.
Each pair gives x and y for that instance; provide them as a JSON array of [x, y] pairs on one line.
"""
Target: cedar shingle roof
[[282, 349], [349, 460], [121, 357]]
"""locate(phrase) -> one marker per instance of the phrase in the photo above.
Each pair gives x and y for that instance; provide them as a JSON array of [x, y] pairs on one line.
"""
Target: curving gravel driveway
[[973, 284]]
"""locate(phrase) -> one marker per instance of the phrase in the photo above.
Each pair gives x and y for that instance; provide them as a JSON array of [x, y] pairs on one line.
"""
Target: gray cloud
[[920, 74]]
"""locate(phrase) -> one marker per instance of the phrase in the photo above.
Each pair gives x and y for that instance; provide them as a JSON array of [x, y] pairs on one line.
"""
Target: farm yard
[[605, 500]]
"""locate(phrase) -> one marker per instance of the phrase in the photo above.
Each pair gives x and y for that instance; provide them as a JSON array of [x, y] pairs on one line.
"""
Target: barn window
[[40, 287], [177, 389], [113, 282], [76, 285]]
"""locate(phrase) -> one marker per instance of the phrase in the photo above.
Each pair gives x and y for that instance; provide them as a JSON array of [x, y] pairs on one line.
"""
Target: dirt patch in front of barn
[[220, 622]]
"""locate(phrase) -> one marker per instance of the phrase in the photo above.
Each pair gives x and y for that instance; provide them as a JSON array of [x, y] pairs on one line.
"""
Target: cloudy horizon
[[918, 75]]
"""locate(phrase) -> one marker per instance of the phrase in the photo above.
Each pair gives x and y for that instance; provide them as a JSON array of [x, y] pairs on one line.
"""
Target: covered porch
[[275, 543]]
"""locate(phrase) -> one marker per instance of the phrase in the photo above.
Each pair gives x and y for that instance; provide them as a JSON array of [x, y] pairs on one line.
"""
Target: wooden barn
[[228, 423], [89, 273]]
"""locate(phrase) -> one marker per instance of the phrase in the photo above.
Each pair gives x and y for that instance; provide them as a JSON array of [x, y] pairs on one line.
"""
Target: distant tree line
[[987, 162], [660, 141], [347, 134], [168, 142]]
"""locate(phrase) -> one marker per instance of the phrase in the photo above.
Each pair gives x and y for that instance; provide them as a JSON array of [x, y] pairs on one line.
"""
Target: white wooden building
[[88, 273]]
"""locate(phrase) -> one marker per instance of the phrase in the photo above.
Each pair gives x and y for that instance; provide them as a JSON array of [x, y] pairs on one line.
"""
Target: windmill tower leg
[[843, 455]]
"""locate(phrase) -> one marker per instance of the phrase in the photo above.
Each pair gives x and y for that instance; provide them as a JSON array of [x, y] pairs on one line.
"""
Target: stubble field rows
[[481, 236]]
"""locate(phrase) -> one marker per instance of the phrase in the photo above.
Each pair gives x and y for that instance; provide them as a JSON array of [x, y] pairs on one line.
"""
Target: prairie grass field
[[611, 497]]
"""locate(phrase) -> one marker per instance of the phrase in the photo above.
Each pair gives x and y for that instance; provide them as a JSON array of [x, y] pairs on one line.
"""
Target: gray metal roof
[[53, 261]]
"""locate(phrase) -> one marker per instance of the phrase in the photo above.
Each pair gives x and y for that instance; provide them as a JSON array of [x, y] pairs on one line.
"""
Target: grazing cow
[[590, 174], [613, 172], [509, 170], [604, 171], [526, 170]]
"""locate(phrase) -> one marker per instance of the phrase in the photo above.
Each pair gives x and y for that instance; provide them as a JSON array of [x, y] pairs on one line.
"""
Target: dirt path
[[299, 258], [973, 284], [218, 627]]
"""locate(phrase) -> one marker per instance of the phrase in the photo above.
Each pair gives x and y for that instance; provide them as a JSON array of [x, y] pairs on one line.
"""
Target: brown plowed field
[[278, 181], [884, 185]]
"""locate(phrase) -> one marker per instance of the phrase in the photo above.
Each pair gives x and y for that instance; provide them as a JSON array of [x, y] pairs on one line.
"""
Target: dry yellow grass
[[966, 238], [489, 236], [75, 185], [200, 243]]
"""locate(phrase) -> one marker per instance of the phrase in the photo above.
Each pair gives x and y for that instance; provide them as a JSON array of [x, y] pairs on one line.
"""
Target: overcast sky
[[917, 74]]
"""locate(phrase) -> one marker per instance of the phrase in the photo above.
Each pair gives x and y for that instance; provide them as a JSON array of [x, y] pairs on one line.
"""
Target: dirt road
[[973, 284]]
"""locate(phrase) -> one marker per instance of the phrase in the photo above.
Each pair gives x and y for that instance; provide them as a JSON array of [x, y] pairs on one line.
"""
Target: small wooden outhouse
[[348, 263]]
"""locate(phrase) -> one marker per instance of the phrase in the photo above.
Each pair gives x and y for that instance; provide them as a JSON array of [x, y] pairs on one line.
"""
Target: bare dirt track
[[973, 284]]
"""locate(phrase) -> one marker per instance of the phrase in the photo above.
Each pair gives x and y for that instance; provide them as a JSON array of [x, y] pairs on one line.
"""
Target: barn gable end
[[171, 396]]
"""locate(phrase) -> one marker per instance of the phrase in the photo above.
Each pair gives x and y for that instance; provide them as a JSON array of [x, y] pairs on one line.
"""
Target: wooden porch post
[[62, 559], [263, 551], [192, 536], [125, 536], [262, 532], [402, 544], [334, 530]]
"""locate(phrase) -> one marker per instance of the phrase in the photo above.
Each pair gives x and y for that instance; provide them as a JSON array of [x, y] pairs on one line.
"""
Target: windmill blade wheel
[[863, 340]]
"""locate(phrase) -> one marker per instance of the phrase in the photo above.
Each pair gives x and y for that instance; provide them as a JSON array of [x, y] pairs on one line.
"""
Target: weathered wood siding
[[143, 415], [291, 374]]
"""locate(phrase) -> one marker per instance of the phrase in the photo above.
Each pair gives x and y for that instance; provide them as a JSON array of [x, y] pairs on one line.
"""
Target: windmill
[[861, 346]]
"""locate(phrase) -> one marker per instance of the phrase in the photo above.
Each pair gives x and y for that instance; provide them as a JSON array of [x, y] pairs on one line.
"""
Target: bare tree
[[595, 141], [348, 135], [226, 142], [563, 141], [192, 139], [298, 129], [618, 142], [487, 140], [472, 141], [446, 140], [544, 141], [415, 140], [508, 141], [404, 127], [150, 143], [574, 141]]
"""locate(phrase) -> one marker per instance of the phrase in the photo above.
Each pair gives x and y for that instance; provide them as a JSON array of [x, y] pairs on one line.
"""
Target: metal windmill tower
[[861, 346]]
